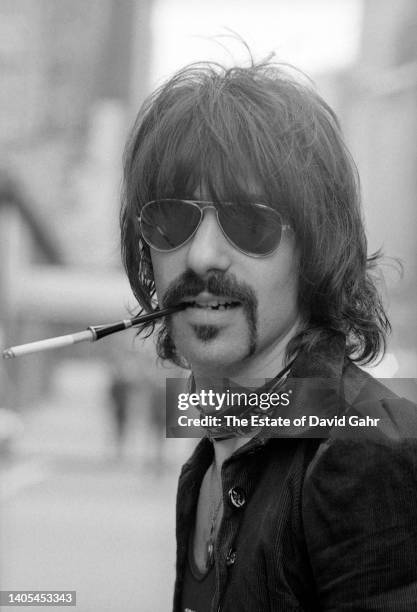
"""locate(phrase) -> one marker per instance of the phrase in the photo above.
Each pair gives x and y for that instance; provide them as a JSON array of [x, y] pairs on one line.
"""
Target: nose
[[209, 249]]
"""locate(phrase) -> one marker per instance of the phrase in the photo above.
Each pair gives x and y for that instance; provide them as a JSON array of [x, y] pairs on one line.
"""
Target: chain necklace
[[213, 519]]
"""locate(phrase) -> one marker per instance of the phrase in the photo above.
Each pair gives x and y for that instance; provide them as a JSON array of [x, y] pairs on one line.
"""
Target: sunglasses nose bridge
[[203, 206], [207, 249]]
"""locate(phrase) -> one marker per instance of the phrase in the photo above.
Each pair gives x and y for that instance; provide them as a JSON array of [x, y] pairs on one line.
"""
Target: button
[[237, 497], [231, 557]]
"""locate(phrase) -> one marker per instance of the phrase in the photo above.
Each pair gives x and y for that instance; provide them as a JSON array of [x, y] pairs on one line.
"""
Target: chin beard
[[167, 349], [205, 333]]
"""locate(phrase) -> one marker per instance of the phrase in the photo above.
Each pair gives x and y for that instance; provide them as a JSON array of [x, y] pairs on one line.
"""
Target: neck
[[267, 363], [259, 367]]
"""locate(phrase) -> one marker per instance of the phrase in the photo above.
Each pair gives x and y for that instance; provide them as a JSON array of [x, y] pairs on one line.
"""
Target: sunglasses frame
[[203, 205]]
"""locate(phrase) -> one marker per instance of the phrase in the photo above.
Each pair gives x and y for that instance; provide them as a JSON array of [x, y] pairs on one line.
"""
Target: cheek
[[162, 265], [157, 269], [167, 268], [278, 291]]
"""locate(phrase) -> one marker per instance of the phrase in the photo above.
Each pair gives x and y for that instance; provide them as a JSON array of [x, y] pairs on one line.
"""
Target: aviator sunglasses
[[252, 228]]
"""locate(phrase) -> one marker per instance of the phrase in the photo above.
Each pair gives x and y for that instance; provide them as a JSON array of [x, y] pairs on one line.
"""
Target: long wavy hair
[[216, 126]]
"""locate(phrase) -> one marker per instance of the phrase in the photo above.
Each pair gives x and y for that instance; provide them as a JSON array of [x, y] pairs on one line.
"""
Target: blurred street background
[[87, 477]]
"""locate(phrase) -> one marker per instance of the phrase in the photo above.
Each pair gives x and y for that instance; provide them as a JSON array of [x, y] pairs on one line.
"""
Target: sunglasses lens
[[254, 228], [167, 224]]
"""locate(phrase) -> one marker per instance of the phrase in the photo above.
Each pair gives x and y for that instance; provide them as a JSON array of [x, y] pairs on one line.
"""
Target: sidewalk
[[75, 516]]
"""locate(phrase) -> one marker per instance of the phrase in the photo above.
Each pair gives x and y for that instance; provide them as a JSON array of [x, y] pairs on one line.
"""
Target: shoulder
[[378, 458], [365, 396]]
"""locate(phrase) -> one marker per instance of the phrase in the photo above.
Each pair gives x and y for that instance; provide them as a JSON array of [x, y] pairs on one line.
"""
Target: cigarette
[[48, 344], [91, 334]]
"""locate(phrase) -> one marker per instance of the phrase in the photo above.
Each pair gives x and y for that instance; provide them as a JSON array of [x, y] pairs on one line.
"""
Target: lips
[[209, 302]]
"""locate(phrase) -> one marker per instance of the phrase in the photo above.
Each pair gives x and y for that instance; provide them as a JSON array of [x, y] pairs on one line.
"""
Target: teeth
[[214, 305]]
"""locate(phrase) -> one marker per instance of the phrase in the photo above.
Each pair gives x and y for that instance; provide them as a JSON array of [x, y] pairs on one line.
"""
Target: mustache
[[190, 284]]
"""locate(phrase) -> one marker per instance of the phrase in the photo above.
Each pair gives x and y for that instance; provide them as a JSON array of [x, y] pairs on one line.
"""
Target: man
[[242, 201]]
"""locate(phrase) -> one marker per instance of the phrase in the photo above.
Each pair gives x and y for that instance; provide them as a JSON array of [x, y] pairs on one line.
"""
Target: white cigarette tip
[[8, 354]]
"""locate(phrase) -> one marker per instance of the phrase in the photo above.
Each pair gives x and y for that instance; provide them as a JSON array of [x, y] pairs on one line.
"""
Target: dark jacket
[[320, 524]]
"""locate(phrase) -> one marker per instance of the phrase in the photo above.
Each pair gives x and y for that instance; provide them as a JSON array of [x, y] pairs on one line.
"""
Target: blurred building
[[65, 90], [381, 117]]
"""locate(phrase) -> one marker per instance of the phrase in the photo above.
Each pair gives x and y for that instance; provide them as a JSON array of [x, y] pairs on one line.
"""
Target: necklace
[[213, 519], [224, 432]]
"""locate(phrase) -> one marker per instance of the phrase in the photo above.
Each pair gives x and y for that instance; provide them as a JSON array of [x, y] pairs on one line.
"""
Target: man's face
[[240, 306]]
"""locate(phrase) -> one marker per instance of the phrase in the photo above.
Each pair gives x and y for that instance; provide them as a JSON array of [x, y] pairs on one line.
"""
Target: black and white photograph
[[208, 288]]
